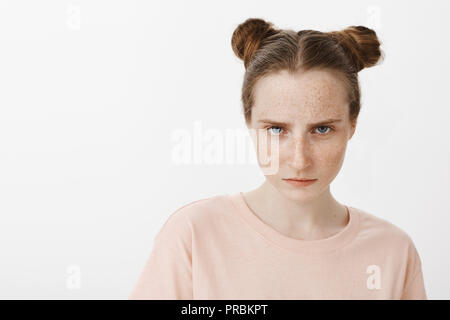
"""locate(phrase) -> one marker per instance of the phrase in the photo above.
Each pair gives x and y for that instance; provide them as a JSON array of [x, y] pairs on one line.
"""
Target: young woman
[[288, 238]]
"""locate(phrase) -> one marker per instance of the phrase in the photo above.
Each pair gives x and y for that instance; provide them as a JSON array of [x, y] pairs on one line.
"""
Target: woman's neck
[[316, 219]]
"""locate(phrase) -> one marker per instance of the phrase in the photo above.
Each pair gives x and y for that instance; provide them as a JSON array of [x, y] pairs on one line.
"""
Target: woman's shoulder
[[196, 212], [200, 208], [381, 229]]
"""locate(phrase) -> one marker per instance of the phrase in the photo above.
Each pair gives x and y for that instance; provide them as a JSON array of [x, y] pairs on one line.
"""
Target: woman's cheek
[[333, 156]]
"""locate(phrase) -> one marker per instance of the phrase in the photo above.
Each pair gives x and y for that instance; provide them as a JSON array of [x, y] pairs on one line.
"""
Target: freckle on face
[[301, 99], [315, 94]]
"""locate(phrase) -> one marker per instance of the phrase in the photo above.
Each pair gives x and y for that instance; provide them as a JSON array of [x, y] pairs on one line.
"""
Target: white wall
[[91, 92]]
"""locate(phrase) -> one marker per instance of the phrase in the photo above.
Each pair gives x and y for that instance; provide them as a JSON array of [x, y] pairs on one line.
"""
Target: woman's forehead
[[313, 93]]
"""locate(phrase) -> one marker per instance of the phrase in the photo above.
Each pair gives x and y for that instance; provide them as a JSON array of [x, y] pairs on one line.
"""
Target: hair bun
[[247, 37], [361, 44]]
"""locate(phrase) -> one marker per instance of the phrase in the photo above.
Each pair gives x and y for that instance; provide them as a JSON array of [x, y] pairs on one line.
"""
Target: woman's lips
[[300, 183]]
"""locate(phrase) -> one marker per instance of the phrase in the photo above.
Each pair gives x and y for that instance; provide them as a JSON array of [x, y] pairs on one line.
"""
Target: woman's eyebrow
[[327, 121]]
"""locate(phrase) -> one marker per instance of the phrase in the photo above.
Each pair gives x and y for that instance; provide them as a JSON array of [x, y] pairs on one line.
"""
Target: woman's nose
[[300, 154]]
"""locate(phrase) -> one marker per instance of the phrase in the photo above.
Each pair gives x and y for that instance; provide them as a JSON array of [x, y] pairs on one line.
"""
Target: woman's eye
[[326, 127], [275, 128]]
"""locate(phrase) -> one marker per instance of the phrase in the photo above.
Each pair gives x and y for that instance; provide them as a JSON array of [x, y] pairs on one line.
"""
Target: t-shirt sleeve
[[167, 274], [414, 288]]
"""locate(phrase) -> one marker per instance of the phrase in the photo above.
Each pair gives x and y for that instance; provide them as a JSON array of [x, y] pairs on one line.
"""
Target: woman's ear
[[352, 128], [248, 124]]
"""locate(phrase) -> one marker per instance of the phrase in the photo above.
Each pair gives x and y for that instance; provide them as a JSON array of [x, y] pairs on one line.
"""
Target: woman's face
[[291, 107]]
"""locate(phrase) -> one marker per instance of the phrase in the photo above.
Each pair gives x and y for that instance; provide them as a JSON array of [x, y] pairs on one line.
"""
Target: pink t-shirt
[[217, 248]]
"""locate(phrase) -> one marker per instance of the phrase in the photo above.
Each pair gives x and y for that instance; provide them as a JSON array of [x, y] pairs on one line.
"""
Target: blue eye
[[275, 127], [324, 127]]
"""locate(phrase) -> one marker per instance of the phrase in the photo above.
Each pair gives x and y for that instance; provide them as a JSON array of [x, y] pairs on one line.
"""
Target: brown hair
[[265, 49]]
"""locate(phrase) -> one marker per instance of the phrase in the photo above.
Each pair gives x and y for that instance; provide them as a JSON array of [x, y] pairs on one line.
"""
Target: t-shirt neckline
[[333, 242]]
